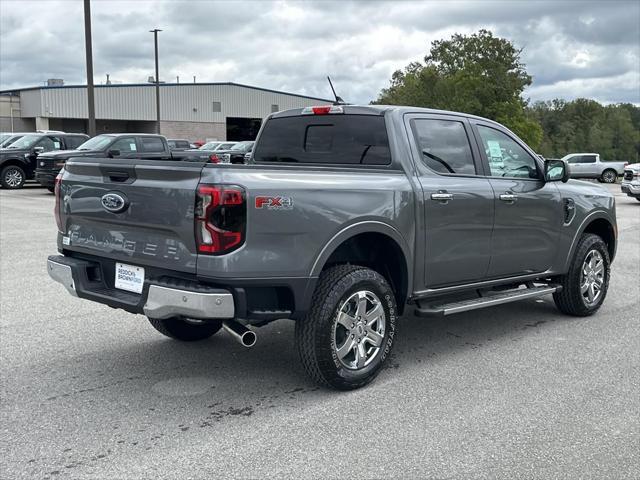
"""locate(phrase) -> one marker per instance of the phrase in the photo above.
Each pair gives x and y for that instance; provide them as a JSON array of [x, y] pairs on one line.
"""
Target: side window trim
[[485, 160], [419, 164]]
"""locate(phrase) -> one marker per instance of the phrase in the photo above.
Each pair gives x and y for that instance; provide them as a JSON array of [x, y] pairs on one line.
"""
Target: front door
[[458, 207], [528, 211]]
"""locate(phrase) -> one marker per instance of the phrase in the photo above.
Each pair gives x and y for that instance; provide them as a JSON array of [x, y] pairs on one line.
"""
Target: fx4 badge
[[274, 203]]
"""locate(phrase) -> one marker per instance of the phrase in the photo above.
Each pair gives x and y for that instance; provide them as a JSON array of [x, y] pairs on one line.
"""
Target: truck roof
[[381, 110], [131, 133]]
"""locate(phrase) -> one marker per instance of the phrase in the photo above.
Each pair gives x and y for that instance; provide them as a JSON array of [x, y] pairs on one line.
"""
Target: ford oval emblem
[[114, 202]]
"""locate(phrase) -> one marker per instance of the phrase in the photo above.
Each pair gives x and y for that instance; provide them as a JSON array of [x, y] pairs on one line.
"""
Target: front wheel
[[609, 176], [12, 177], [585, 285], [348, 333], [186, 330]]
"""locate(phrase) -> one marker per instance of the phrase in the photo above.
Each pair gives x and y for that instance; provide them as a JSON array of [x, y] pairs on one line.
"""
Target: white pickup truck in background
[[589, 165], [631, 181]]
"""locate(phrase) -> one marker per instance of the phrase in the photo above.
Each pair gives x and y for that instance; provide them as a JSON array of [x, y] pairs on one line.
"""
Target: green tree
[[478, 74], [584, 125]]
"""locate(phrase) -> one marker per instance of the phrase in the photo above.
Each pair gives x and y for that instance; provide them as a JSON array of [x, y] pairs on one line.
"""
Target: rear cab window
[[344, 139]]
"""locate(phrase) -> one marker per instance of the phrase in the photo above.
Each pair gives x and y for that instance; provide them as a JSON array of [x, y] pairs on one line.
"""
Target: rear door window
[[152, 144], [325, 139], [444, 146], [74, 142]]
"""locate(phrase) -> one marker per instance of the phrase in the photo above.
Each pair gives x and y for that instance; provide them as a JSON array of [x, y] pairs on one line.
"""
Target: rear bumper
[[159, 298]]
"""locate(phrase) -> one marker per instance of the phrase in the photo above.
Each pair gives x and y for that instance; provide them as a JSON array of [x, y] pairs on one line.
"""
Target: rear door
[[155, 226], [528, 211], [457, 198]]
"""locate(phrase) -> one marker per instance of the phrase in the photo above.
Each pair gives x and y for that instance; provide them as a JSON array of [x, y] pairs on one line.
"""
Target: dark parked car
[[141, 146], [236, 153], [19, 160]]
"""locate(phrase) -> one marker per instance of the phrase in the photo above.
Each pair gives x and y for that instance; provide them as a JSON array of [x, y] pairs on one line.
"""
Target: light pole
[[91, 124], [155, 41]]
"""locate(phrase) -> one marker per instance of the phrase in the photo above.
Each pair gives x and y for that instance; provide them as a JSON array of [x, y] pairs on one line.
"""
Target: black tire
[[316, 334], [51, 189], [570, 300], [609, 176], [638, 198], [179, 329], [12, 177]]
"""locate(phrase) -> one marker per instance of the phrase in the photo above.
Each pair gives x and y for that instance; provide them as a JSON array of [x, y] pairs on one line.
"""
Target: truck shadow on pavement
[[272, 365], [148, 389]]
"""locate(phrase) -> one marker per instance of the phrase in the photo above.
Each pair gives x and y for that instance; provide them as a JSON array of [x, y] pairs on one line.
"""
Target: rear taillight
[[56, 211], [213, 158], [220, 218]]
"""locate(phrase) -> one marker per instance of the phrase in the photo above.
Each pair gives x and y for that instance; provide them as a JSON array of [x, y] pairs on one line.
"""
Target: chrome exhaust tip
[[240, 333]]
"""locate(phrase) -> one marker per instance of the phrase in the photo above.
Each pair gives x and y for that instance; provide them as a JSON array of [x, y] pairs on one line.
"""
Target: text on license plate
[[129, 277]]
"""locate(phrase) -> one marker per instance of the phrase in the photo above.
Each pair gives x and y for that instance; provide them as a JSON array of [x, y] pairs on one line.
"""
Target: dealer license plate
[[129, 277]]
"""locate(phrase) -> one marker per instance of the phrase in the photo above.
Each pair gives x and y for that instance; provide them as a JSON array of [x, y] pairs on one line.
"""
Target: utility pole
[[155, 41], [91, 122]]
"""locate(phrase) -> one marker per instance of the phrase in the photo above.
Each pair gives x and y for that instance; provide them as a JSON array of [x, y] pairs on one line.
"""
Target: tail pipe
[[239, 332]]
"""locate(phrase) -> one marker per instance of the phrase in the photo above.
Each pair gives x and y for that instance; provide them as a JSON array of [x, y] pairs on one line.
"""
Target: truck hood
[[587, 188], [68, 153], [9, 152]]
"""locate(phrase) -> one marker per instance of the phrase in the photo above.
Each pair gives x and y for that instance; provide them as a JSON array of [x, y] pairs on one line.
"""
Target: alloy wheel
[[13, 177], [592, 278], [359, 329]]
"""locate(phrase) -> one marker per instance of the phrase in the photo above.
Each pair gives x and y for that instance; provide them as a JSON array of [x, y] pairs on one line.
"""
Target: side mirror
[[556, 171], [38, 150], [113, 153]]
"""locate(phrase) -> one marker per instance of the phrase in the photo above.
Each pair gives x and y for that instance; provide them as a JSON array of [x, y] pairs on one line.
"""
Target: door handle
[[442, 197], [508, 197]]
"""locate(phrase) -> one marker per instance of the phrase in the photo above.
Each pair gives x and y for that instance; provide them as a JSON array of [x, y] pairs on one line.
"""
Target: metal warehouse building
[[195, 111]]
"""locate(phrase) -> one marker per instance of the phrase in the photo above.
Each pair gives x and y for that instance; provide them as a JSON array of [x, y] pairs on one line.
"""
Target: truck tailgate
[[139, 214]]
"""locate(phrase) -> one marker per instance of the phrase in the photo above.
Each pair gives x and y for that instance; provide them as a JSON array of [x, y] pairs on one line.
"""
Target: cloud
[[571, 48]]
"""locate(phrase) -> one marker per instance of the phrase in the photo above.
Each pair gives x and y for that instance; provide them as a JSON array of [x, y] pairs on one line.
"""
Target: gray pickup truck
[[346, 218]]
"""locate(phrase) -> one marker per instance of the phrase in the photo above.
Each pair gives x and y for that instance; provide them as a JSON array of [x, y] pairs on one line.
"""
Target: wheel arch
[[599, 224], [390, 255]]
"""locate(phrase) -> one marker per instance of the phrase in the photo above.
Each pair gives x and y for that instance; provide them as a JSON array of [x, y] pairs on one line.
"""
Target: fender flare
[[365, 226], [597, 215]]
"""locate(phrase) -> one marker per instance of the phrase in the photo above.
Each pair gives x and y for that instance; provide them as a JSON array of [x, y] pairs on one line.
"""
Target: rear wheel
[[609, 176], [585, 285], [51, 189], [12, 177], [186, 330], [348, 333]]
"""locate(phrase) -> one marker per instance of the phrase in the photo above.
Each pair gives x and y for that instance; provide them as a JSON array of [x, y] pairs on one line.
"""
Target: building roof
[[173, 84]]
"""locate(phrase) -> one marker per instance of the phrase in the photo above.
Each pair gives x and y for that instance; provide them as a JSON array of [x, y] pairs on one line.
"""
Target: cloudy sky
[[571, 48]]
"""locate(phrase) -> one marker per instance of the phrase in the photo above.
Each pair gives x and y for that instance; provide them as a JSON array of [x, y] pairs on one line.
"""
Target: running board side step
[[484, 301]]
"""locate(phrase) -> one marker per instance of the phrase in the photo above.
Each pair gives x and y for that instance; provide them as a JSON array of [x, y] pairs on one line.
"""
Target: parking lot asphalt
[[516, 391]]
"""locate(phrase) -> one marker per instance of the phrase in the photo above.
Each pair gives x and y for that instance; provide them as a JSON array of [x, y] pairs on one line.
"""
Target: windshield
[[241, 146], [9, 140], [96, 143], [27, 141], [209, 146]]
